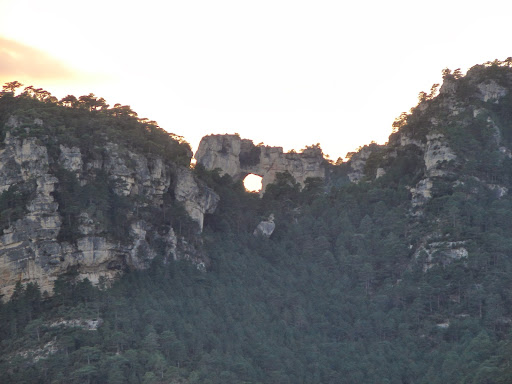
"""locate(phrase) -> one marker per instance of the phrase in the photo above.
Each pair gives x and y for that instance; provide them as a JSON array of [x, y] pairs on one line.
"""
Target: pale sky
[[286, 73]]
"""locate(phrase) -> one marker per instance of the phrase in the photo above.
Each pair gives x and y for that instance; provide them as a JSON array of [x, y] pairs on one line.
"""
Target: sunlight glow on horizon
[[286, 73]]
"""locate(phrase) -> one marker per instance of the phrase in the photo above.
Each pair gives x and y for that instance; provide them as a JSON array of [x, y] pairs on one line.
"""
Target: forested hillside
[[396, 268]]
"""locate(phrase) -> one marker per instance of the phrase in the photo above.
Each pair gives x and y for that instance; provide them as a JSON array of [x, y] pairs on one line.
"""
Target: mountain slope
[[400, 276]]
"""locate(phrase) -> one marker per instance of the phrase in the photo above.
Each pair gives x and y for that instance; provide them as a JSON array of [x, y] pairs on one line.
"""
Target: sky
[[285, 73]]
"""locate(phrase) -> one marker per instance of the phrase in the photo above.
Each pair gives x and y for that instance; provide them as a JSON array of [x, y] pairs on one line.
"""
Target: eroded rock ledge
[[240, 157]]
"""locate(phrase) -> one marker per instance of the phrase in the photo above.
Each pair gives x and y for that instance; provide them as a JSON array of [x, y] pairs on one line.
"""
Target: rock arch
[[240, 157]]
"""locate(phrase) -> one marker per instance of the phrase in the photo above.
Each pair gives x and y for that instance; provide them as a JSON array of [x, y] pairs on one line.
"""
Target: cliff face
[[195, 195], [32, 247], [239, 157]]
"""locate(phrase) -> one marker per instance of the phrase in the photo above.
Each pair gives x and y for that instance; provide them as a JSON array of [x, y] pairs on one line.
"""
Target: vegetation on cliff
[[88, 122], [89, 126]]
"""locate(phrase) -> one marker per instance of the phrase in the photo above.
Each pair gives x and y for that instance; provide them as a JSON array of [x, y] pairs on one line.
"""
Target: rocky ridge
[[437, 143], [240, 157]]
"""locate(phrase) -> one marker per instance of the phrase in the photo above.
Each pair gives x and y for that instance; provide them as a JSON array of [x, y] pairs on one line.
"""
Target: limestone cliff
[[239, 157], [33, 247]]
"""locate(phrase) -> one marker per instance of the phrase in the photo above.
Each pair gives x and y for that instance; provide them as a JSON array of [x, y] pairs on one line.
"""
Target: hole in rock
[[252, 183]]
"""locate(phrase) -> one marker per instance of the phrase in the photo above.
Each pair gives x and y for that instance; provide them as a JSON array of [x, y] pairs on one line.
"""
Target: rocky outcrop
[[240, 157], [437, 155], [421, 193], [358, 163], [30, 247], [438, 159], [222, 152], [491, 91], [85, 324], [42, 352], [71, 159], [196, 196], [441, 253], [265, 228], [380, 172]]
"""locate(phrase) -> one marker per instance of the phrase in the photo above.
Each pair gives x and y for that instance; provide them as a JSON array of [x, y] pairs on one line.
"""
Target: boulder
[[265, 228]]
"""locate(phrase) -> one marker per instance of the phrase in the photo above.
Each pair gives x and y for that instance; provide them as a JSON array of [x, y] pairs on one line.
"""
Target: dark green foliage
[[237, 210], [283, 194], [13, 203], [406, 168]]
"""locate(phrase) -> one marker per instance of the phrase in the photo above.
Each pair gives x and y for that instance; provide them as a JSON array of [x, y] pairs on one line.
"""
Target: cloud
[[24, 62]]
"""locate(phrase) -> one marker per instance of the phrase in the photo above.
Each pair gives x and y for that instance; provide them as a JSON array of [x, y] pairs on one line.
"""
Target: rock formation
[[196, 196], [358, 162], [265, 228], [240, 157], [30, 247]]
